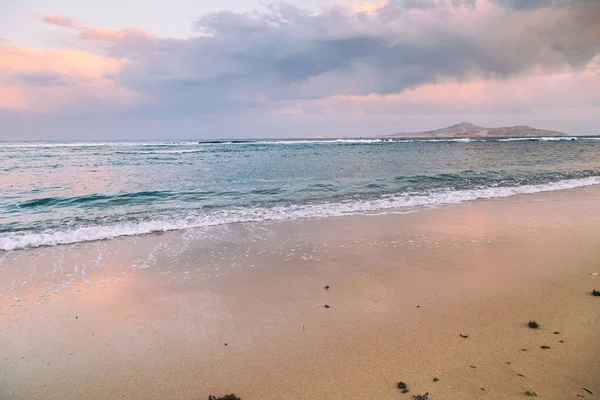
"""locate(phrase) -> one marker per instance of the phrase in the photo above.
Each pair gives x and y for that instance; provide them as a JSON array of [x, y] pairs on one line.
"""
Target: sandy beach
[[241, 308]]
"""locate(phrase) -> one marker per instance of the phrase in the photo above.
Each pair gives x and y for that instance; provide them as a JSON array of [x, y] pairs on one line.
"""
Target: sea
[[61, 193]]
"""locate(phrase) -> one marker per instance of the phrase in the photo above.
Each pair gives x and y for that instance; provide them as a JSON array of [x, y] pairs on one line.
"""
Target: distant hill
[[466, 129]]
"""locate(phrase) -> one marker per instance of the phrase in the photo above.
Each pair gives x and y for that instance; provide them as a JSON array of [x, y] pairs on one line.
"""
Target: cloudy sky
[[126, 69]]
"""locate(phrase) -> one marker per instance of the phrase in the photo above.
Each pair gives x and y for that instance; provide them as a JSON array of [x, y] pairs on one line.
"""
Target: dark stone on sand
[[556, 332], [521, 375], [225, 344], [561, 341], [405, 391], [464, 336], [421, 396], [435, 379], [545, 347], [533, 325], [326, 287], [401, 385], [326, 306], [595, 293], [226, 397]]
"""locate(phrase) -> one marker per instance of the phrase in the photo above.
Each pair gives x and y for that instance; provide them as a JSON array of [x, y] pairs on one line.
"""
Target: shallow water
[[62, 193]]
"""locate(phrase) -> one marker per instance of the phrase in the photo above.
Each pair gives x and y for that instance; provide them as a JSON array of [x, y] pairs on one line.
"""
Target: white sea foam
[[388, 204], [117, 144], [91, 144], [539, 139], [174, 151], [312, 141]]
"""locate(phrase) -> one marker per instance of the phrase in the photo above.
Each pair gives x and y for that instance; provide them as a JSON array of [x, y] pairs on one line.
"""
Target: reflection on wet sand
[[240, 308]]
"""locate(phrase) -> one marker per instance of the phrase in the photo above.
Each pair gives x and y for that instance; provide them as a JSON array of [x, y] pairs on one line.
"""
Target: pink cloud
[[567, 90], [67, 22], [87, 32], [113, 35], [86, 72]]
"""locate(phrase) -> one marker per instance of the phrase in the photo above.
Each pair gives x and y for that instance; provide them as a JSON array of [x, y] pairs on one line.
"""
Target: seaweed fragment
[[421, 396], [530, 394], [533, 325], [226, 397]]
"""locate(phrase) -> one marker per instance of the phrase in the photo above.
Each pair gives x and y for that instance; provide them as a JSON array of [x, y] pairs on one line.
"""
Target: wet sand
[[240, 309]]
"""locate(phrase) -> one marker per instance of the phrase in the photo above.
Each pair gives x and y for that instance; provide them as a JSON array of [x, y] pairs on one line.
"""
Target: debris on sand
[[530, 394], [435, 379], [326, 306], [326, 287], [587, 390], [464, 336], [545, 347], [421, 397], [226, 397], [533, 325], [401, 385], [595, 293]]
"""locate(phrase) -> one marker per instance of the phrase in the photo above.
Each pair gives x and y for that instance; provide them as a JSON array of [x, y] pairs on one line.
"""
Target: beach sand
[[241, 308]]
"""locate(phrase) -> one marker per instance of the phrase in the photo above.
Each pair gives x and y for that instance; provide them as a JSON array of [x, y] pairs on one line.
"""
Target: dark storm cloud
[[285, 53]]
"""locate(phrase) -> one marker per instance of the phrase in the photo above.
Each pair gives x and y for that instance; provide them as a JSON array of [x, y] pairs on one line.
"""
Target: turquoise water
[[61, 193]]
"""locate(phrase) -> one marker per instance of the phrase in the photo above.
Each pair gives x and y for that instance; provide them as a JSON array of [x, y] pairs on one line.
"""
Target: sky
[[188, 69]]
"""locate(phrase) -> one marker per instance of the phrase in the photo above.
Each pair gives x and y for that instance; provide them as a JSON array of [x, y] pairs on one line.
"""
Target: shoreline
[[384, 205], [157, 330]]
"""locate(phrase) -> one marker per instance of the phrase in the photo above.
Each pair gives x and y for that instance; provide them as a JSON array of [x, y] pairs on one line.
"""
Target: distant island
[[468, 130]]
